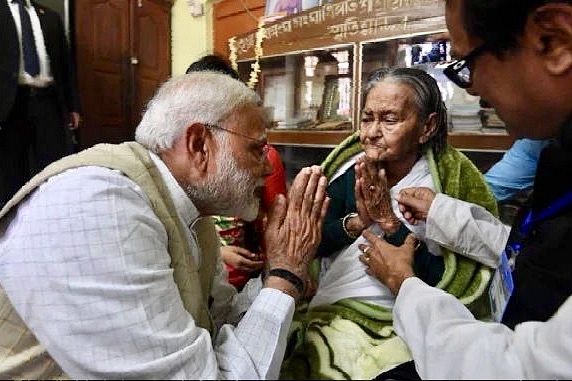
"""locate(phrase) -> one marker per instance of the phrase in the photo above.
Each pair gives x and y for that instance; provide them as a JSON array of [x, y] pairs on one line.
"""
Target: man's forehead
[[250, 119], [248, 113]]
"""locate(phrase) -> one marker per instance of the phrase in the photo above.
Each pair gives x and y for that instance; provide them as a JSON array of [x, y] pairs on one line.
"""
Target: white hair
[[200, 97]]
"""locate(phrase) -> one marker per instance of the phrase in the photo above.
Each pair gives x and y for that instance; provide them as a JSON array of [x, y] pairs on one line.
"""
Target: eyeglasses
[[459, 71], [260, 143]]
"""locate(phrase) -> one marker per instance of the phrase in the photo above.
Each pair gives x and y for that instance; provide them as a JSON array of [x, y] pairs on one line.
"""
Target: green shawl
[[352, 339]]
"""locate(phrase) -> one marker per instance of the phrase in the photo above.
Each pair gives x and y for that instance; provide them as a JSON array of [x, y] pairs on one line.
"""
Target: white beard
[[229, 192]]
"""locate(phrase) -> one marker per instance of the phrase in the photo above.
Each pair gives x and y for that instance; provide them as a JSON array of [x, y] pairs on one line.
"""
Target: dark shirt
[[543, 269], [342, 202]]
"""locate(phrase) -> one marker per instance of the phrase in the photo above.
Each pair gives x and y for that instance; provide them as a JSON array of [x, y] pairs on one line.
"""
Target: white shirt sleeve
[[467, 229], [446, 342], [85, 264]]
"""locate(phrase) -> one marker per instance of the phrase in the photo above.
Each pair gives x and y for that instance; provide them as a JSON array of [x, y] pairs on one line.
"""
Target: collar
[[27, 3], [184, 206]]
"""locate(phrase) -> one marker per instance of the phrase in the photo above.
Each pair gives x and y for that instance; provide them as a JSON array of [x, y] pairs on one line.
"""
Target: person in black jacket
[[39, 103]]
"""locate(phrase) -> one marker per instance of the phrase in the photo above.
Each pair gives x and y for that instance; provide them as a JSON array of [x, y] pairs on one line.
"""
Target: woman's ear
[[429, 128]]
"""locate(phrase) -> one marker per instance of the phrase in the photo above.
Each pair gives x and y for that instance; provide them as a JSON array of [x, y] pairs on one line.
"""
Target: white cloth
[[446, 341], [44, 78], [345, 277], [84, 261], [467, 229]]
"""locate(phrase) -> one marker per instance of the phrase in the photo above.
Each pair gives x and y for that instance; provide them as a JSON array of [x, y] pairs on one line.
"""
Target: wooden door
[[123, 52], [152, 49]]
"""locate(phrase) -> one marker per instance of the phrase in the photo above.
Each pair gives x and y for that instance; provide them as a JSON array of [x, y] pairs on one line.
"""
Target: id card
[[501, 288]]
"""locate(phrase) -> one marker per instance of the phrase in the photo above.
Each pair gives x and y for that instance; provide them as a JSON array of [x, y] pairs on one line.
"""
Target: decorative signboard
[[342, 22]]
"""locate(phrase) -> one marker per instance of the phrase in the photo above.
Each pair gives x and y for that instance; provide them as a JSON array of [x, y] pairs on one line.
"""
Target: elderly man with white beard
[[110, 266]]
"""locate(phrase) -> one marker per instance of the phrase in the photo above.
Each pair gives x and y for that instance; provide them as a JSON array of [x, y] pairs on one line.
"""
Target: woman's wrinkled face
[[390, 129]]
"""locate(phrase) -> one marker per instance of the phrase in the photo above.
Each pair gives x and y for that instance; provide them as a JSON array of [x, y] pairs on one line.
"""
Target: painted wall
[[191, 36]]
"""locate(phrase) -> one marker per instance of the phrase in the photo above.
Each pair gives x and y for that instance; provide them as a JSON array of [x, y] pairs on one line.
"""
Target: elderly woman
[[403, 136], [402, 144]]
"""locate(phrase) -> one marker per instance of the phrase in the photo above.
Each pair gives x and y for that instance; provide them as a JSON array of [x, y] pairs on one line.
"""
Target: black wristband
[[289, 276]]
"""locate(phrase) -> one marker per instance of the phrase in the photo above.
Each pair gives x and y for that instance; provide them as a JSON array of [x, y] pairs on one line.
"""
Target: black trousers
[[34, 135]]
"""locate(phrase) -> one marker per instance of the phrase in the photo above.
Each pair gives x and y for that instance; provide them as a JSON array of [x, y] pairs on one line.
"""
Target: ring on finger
[[366, 256]]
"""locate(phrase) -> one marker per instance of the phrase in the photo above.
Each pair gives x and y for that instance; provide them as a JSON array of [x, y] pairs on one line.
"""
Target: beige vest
[[21, 355]]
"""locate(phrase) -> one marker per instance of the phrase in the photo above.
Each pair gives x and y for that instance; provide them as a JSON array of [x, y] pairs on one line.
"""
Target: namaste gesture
[[372, 195]]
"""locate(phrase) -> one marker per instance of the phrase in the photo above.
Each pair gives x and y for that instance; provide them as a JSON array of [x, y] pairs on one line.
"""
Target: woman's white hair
[[200, 97]]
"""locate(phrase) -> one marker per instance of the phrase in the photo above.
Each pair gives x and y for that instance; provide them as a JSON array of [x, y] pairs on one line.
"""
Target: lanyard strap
[[551, 210]]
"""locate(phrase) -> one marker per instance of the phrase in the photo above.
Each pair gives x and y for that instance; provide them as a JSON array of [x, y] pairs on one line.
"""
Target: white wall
[[191, 36]]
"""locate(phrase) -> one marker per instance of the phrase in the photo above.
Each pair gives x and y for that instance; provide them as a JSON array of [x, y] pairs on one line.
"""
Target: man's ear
[[549, 28], [198, 147], [428, 128]]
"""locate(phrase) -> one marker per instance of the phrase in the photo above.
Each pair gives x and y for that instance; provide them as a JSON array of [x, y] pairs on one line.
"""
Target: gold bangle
[[345, 220]]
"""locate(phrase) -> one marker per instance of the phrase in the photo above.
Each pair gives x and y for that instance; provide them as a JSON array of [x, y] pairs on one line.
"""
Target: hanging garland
[[232, 56], [258, 52]]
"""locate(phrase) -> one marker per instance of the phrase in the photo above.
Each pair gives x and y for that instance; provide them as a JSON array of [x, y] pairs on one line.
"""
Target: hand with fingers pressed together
[[373, 196], [296, 227]]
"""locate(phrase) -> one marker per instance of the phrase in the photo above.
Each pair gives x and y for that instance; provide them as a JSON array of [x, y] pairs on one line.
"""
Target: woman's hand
[[373, 191], [414, 203], [391, 265], [240, 258], [362, 220]]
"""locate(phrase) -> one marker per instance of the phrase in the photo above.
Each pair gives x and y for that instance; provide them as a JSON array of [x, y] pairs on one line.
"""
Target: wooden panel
[[346, 21], [231, 19], [307, 137], [228, 8], [474, 141], [481, 142]]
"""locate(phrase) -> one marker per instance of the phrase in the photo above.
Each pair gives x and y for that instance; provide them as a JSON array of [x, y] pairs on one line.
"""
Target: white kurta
[[446, 341], [85, 263], [467, 229]]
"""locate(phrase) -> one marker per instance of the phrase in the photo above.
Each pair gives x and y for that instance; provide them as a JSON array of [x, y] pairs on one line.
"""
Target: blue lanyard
[[551, 210]]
